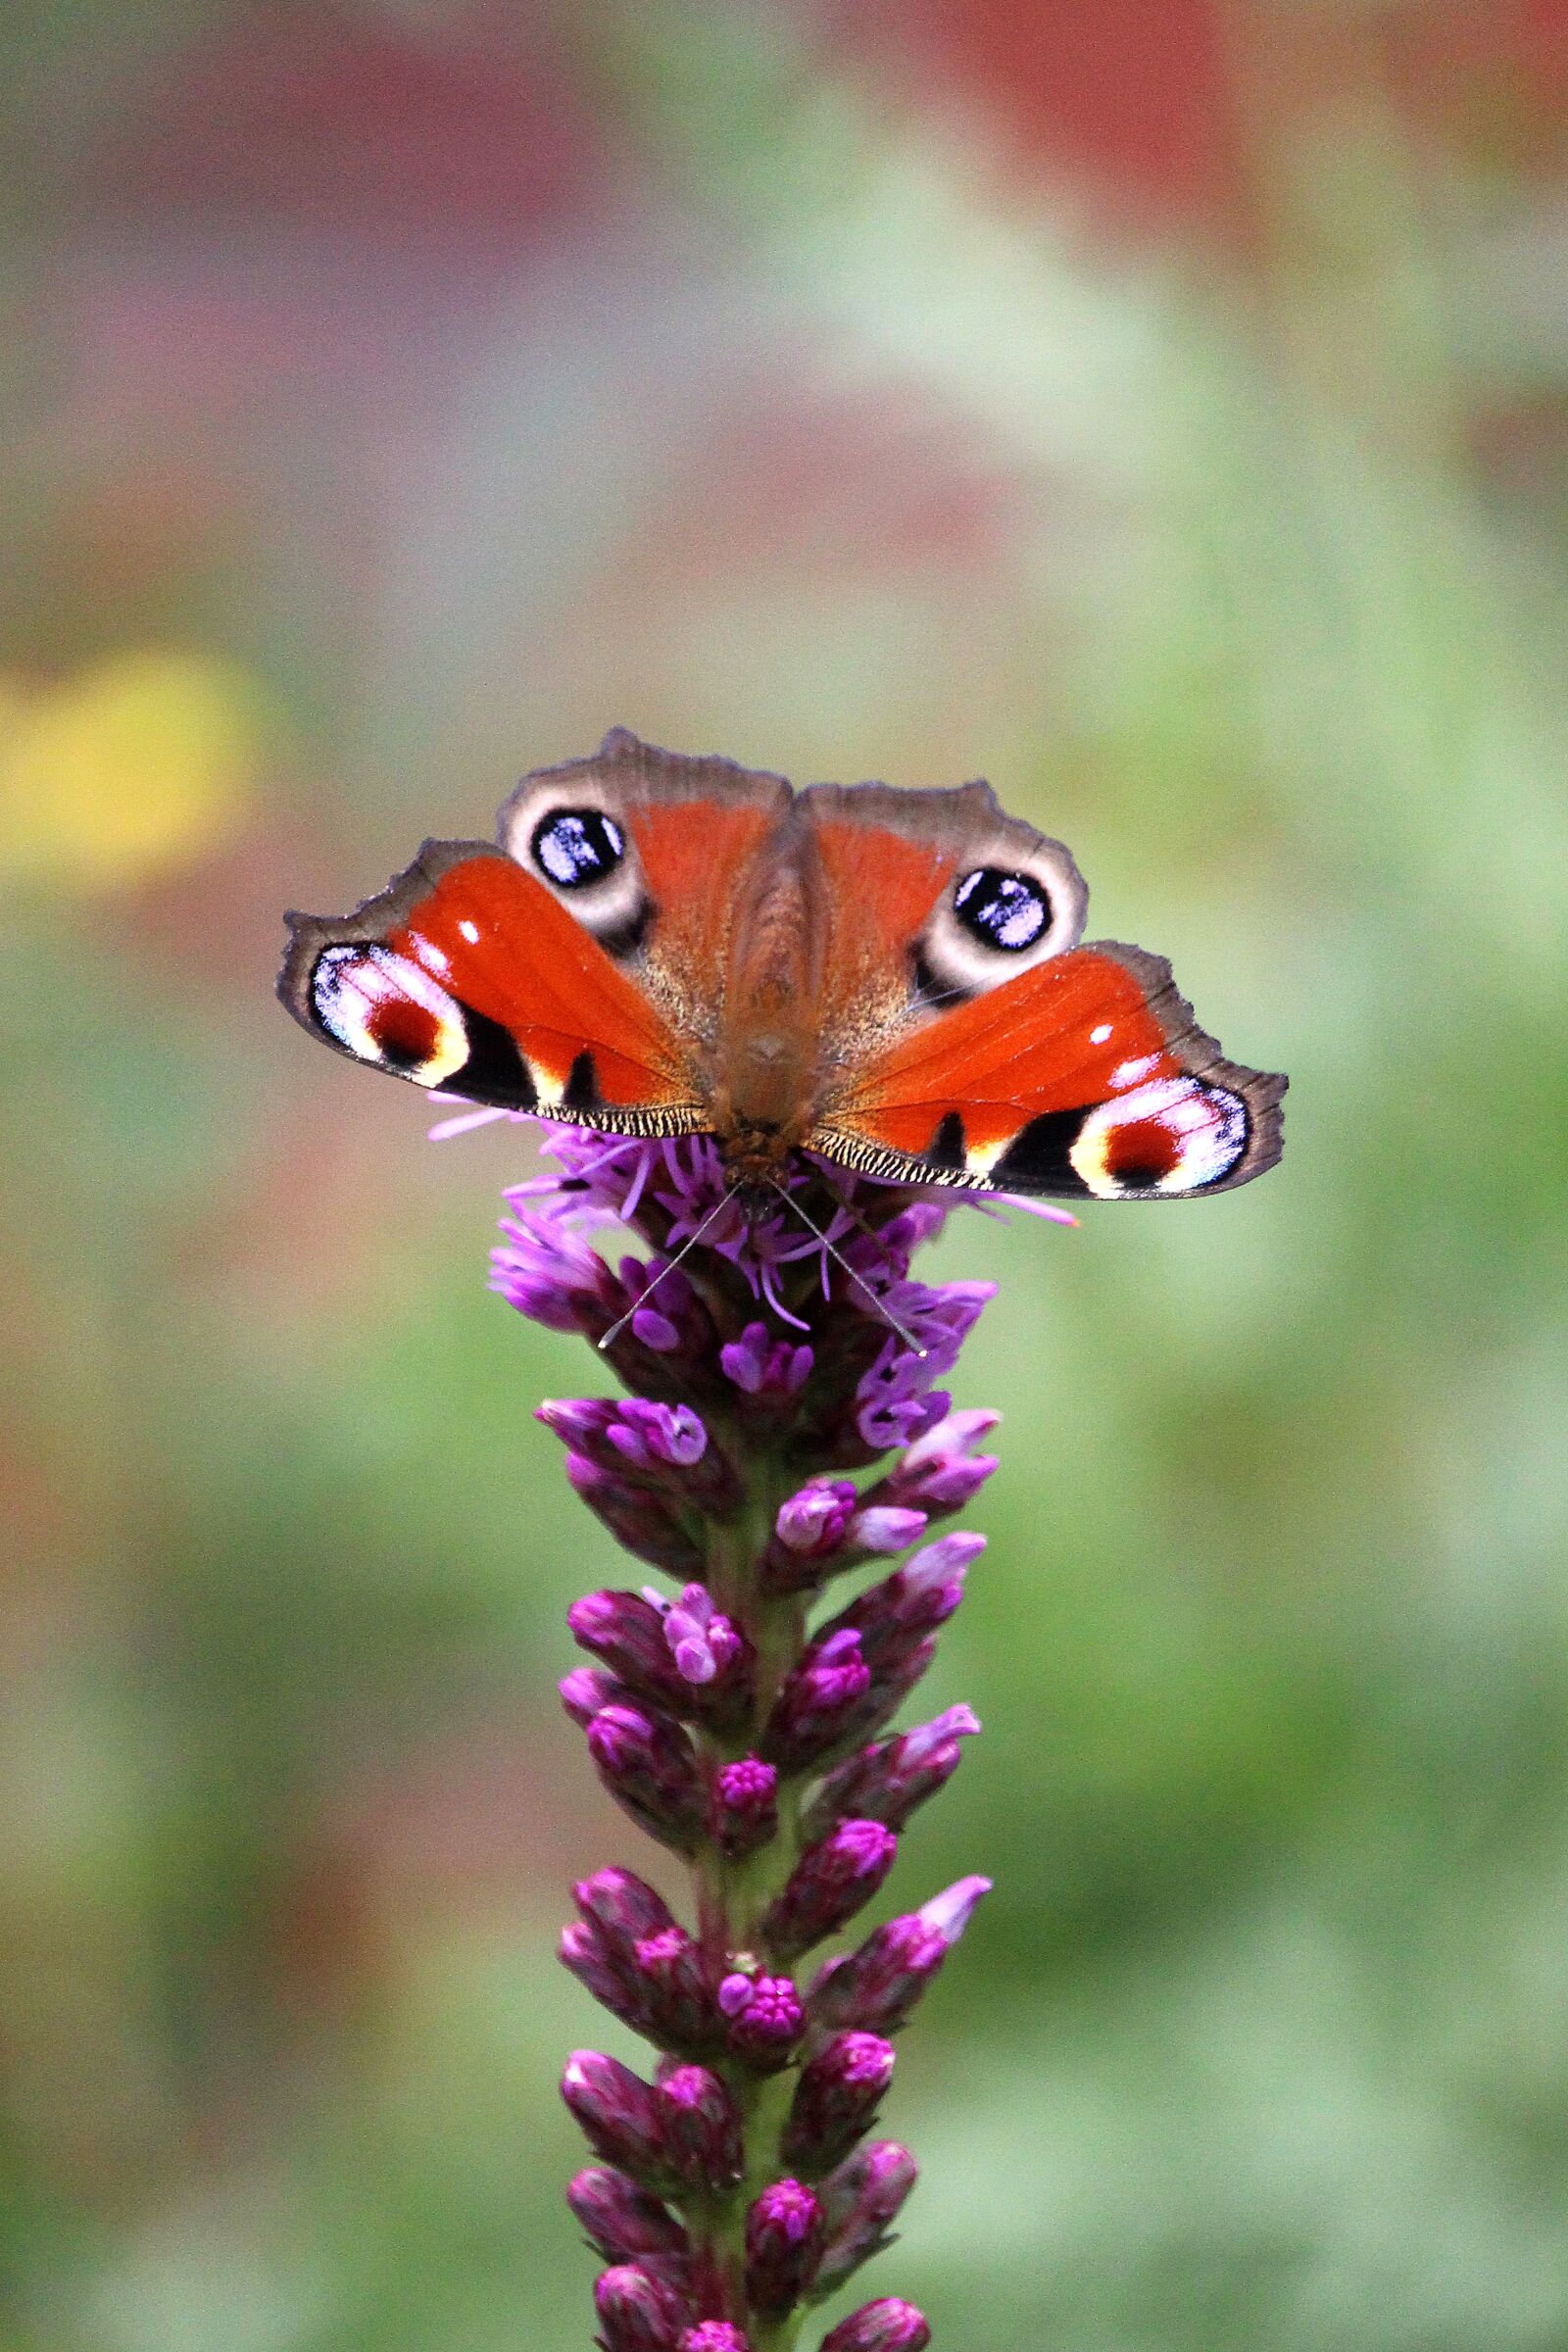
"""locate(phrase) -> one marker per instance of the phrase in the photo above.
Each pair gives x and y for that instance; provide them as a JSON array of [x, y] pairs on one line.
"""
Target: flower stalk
[[741, 1717]]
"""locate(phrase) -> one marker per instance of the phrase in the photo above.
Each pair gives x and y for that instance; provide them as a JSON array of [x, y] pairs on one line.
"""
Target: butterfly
[[660, 944]]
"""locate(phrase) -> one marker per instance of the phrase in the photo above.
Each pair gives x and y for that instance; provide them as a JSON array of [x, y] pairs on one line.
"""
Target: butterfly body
[[892, 979]]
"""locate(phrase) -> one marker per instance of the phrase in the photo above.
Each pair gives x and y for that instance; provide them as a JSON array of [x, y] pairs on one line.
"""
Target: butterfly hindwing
[[1085, 1076], [469, 975]]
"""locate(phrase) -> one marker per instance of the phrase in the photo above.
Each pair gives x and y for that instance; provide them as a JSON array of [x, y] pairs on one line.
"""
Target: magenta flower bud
[[639, 1519], [743, 1806], [704, 1644], [625, 1631], [649, 1766], [812, 1524], [638, 2312], [674, 1995], [818, 1701], [890, 1617], [714, 2336], [767, 2019], [886, 2326], [829, 1886], [861, 2201], [885, 1528], [940, 1472], [771, 1373], [836, 2100], [783, 2245], [623, 1906], [620, 2114], [888, 1781], [669, 1437], [582, 1950], [622, 2221], [580, 1423], [877, 1988], [587, 1689], [549, 1274], [701, 2128]]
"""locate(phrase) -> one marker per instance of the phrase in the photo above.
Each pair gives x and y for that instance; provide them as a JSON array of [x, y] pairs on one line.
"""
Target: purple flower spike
[[888, 1781], [790, 1350], [818, 1700], [783, 2244], [836, 2100], [877, 1988], [829, 1884], [701, 2128], [623, 2223], [742, 1812], [861, 2201], [884, 2325], [619, 2115], [765, 2019], [638, 2312]]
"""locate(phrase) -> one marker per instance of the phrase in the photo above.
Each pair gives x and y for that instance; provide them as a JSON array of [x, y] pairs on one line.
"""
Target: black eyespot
[[575, 846], [1003, 910]]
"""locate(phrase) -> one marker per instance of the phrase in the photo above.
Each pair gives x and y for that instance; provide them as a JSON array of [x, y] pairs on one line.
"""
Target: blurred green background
[[1159, 407]]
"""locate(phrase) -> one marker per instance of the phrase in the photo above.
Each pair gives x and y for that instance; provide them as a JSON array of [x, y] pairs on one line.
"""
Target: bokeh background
[[1159, 407]]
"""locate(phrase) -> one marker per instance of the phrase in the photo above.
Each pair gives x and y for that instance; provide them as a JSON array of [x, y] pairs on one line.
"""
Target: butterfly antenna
[[689, 1244], [839, 1258]]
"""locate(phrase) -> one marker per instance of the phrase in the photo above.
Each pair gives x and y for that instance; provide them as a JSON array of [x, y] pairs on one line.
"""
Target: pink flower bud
[[829, 1886], [836, 2100], [886, 2326], [639, 2312], [622, 2221], [783, 2242], [861, 2201]]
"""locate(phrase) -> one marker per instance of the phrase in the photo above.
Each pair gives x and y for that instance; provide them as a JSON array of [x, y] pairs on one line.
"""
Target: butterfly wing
[[1086, 1075], [468, 974]]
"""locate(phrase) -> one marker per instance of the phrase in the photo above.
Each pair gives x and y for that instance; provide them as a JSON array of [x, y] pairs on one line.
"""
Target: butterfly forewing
[[469, 975]]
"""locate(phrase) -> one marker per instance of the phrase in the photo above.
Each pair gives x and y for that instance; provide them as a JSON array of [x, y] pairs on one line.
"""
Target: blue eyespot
[[577, 846], [1003, 910]]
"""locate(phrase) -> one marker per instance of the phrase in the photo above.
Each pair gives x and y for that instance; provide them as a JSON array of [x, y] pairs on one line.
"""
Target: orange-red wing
[[1085, 1076], [469, 975]]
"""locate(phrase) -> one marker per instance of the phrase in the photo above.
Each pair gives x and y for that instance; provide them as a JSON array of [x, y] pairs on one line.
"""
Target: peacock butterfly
[[663, 946]]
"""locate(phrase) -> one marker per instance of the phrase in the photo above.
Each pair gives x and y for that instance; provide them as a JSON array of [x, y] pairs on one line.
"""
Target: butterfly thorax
[[766, 1053]]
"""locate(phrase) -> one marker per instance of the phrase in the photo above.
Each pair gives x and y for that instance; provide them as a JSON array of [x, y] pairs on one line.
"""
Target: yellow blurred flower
[[140, 763]]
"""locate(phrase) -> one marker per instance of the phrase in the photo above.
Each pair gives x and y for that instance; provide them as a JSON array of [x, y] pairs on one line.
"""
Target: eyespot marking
[[387, 1009], [1006, 910], [1174, 1136], [573, 847]]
